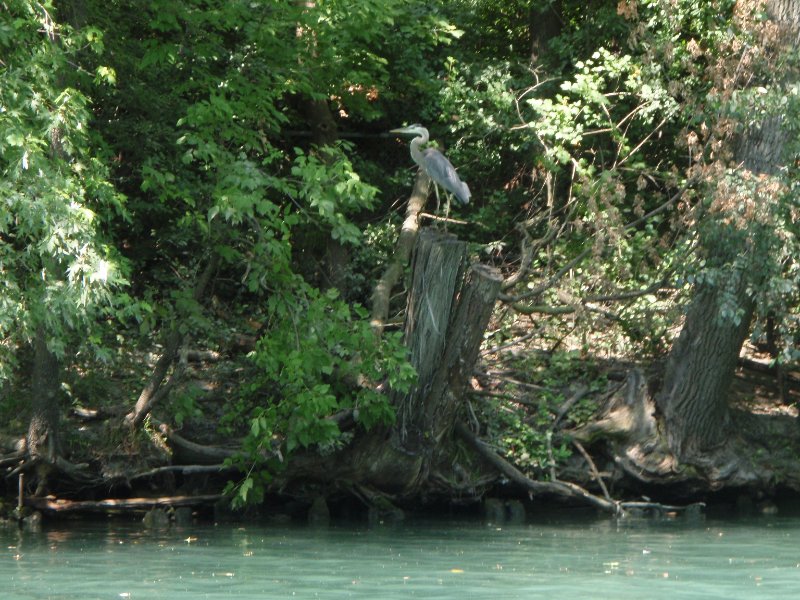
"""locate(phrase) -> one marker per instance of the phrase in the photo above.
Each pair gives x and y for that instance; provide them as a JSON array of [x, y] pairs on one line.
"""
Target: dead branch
[[438, 219], [88, 414], [203, 356], [402, 253], [582, 390], [13, 458], [509, 344], [192, 453], [530, 386], [543, 309], [558, 488], [592, 468], [78, 472], [529, 247], [662, 507], [25, 465], [540, 289], [627, 295], [526, 257]]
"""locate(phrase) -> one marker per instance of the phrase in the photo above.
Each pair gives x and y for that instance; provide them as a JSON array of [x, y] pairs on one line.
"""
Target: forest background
[[199, 198]]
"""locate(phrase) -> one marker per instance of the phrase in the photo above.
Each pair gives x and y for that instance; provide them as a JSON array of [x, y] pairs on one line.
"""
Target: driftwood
[[593, 468], [565, 489], [54, 505]]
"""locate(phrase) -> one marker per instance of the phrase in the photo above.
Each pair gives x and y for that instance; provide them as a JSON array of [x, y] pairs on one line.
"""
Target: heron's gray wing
[[444, 173]]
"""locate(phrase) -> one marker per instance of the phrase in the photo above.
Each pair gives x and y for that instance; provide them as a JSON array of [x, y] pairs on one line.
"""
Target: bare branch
[[558, 488], [149, 395], [402, 253]]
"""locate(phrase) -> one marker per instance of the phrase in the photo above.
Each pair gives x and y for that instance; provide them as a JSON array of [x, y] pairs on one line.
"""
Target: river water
[[757, 557]]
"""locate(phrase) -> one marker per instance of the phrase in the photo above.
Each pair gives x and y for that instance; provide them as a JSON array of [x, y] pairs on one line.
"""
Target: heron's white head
[[415, 129]]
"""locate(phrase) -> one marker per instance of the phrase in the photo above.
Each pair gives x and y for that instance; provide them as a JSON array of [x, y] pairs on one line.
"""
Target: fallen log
[[56, 505], [695, 507]]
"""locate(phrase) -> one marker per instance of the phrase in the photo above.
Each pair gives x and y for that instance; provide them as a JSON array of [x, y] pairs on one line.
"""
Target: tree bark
[[42, 438], [465, 335], [437, 273], [694, 397]]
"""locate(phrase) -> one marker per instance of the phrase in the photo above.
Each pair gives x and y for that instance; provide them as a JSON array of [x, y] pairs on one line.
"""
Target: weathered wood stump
[[449, 307]]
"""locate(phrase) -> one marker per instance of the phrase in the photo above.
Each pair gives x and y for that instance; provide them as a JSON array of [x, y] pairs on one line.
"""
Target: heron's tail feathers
[[464, 194]]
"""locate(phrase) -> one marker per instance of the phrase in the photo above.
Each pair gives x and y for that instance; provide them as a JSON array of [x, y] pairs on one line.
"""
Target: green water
[[565, 558]]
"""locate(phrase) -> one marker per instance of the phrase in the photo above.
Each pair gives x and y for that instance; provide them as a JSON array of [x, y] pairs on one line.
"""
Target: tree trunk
[[702, 362], [446, 317], [545, 24], [153, 389], [464, 337], [406, 241], [42, 438], [694, 397], [324, 132]]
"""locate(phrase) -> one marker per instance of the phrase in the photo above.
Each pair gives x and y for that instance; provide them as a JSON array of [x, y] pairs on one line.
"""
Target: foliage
[[142, 141], [526, 431], [58, 270], [319, 357]]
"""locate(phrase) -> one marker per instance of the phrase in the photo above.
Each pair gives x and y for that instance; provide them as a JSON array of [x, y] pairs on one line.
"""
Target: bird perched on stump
[[436, 166]]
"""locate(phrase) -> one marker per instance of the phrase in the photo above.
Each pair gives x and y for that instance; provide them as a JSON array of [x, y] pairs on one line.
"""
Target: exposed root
[[192, 453]]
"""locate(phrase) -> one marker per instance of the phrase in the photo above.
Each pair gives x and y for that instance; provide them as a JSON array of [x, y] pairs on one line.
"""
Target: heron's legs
[[439, 202]]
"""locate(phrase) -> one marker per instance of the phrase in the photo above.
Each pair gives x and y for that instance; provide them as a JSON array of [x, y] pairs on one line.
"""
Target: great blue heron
[[436, 165]]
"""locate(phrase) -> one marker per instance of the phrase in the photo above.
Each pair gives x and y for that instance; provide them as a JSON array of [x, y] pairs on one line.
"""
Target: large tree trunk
[[437, 273], [42, 438], [694, 397], [702, 362]]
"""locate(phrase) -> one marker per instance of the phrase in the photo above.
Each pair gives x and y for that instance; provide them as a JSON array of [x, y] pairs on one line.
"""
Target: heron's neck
[[416, 154]]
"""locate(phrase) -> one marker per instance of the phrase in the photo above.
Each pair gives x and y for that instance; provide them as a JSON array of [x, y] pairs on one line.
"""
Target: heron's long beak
[[408, 129]]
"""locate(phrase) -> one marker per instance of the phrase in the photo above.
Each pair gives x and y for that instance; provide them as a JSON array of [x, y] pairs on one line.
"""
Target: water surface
[[757, 557]]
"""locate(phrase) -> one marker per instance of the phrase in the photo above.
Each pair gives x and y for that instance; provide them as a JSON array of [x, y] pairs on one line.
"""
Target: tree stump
[[447, 315]]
